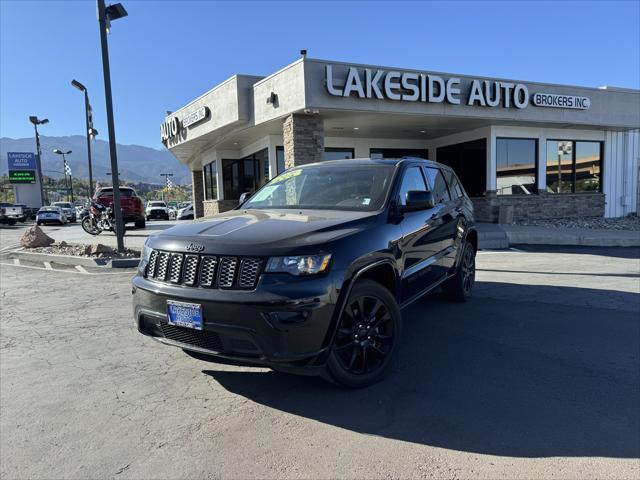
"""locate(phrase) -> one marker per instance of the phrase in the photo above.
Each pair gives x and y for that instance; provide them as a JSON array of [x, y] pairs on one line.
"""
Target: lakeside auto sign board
[[430, 88], [22, 167]]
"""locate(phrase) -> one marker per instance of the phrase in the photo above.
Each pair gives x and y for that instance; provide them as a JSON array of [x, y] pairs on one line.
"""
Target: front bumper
[[285, 323], [157, 214]]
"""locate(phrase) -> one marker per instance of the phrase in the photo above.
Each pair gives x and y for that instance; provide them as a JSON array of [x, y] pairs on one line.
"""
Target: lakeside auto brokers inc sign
[[22, 167], [421, 87], [172, 127]]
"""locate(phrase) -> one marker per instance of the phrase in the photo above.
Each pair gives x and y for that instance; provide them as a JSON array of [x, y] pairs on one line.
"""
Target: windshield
[[157, 204], [327, 187], [49, 209], [63, 205]]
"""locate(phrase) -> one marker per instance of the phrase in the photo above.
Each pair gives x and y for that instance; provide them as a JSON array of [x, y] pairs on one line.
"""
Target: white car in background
[[156, 209], [51, 214], [186, 213]]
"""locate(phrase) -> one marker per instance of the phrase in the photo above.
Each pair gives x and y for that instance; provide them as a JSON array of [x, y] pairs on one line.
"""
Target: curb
[[107, 262], [568, 238]]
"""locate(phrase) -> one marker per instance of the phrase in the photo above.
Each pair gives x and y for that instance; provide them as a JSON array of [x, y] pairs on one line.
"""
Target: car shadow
[[500, 376]]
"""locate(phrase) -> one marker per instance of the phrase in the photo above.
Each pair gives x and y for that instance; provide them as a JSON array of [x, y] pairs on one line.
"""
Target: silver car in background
[[68, 208], [51, 214]]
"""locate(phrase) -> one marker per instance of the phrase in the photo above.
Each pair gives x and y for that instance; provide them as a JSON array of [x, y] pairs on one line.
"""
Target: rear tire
[[367, 338], [459, 288], [141, 224]]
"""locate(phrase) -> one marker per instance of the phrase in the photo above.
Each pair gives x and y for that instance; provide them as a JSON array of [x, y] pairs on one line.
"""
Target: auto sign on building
[[543, 149]]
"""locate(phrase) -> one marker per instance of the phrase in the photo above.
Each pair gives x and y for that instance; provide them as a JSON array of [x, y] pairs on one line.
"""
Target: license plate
[[49, 215], [181, 314]]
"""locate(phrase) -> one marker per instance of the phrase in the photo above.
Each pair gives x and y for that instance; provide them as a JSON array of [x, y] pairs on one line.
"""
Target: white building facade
[[541, 150]]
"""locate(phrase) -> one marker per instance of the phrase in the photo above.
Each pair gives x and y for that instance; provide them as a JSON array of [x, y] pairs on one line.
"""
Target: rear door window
[[437, 185], [454, 184]]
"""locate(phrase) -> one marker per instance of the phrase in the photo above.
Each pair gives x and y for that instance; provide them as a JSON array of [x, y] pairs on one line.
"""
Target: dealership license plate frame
[[192, 318]]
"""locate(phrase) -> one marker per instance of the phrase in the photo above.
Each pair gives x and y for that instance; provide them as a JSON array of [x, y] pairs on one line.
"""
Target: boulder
[[99, 248], [34, 237]]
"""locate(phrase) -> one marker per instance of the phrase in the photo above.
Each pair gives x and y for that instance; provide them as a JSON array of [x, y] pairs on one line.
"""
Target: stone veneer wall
[[197, 193], [303, 139], [541, 206], [213, 207]]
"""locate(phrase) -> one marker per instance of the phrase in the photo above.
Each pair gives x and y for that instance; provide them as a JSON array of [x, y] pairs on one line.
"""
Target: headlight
[[144, 257], [304, 265]]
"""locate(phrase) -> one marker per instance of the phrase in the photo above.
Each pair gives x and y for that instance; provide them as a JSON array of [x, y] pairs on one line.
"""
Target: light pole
[[105, 16], [67, 170], [34, 119], [91, 132]]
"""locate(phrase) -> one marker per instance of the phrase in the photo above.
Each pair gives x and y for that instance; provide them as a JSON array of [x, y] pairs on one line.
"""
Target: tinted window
[[413, 180], [454, 185], [437, 185], [124, 192], [588, 166]]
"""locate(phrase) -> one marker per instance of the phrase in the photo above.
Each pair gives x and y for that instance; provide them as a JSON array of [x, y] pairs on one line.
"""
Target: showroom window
[[210, 181], [574, 166], [398, 153], [516, 166], [331, 153]]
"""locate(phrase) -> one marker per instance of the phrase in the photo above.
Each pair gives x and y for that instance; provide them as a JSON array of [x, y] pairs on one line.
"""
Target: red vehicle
[[132, 206]]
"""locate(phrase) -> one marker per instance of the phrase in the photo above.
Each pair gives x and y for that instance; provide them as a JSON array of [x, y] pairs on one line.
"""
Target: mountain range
[[135, 162]]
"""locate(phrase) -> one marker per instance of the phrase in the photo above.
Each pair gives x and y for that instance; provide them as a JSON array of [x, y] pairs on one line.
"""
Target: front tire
[[367, 338], [460, 287]]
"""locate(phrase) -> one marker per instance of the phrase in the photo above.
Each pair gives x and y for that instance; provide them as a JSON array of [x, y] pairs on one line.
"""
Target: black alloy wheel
[[460, 287], [468, 269], [367, 335]]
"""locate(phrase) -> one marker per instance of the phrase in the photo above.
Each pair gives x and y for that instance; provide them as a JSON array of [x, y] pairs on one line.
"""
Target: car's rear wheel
[[367, 337], [460, 287], [141, 224]]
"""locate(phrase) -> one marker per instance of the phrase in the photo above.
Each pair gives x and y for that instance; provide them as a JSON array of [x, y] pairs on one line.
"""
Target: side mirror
[[418, 200], [244, 197]]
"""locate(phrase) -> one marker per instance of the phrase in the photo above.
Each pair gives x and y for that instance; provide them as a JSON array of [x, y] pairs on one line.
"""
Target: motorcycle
[[100, 218]]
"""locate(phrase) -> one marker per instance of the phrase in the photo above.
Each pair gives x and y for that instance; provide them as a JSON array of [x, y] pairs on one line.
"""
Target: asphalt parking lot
[[538, 376]]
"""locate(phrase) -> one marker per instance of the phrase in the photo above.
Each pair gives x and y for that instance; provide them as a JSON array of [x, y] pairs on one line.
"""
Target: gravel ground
[[630, 222], [96, 250]]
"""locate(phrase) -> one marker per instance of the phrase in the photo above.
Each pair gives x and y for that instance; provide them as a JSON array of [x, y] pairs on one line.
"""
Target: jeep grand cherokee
[[310, 273]]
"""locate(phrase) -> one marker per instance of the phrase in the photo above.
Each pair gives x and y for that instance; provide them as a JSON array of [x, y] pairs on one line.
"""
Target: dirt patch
[[96, 250]]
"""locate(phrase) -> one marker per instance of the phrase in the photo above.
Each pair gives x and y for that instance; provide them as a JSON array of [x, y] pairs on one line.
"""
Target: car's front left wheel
[[367, 338]]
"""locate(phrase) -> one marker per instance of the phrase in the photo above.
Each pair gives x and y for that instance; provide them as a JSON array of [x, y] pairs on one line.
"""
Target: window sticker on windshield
[[263, 194], [286, 175], [366, 201]]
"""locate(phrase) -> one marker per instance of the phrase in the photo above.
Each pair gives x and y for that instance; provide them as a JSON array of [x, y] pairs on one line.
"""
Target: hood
[[239, 231]]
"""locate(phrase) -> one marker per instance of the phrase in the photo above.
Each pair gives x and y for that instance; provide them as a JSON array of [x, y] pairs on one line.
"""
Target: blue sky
[[166, 53]]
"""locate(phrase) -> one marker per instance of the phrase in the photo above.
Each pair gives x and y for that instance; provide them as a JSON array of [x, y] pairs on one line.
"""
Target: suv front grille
[[207, 271]]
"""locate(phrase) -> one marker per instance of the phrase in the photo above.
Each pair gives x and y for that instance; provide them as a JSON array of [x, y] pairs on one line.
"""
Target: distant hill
[[136, 163]]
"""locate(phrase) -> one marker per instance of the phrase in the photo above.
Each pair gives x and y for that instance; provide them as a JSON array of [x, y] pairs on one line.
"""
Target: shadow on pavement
[[493, 376]]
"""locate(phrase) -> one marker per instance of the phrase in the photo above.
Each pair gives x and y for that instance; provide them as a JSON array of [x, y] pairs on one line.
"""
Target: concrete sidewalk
[[501, 236]]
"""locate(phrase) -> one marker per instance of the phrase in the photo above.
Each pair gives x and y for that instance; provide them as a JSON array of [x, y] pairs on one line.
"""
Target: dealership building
[[535, 150]]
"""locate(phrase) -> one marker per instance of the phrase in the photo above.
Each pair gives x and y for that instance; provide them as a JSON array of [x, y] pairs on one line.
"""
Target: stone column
[[303, 139], [197, 193]]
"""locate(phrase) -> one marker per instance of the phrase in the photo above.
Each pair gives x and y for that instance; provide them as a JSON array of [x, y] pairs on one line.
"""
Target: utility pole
[[91, 132], [105, 16], [34, 119]]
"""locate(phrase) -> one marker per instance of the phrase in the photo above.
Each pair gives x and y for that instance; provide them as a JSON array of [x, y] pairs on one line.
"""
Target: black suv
[[310, 273]]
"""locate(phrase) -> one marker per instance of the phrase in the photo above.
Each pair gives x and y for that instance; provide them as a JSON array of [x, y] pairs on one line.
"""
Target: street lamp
[[67, 170], [90, 130], [34, 119], [105, 16]]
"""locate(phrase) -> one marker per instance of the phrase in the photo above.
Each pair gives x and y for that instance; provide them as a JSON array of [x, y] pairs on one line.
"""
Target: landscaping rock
[[34, 237], [99, 248]]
